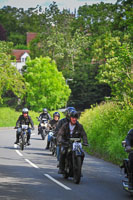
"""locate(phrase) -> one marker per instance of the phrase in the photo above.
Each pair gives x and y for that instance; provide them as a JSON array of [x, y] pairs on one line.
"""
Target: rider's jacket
[[22, 120], [45, 116], [78, 132], [59, 125], [53, 123]]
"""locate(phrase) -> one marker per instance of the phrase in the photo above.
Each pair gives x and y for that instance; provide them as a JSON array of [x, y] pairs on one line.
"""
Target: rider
[[52, 126], [128, 143], [129, 139], [61, 122], [71, 128], [24, 119], [44, 115]]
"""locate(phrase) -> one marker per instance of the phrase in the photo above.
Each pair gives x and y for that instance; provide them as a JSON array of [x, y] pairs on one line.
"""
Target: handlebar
[[75, 139], [16, 127], [85, 144]]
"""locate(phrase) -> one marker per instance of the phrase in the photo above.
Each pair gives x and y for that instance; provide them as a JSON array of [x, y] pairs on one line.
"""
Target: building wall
[[18, 65]]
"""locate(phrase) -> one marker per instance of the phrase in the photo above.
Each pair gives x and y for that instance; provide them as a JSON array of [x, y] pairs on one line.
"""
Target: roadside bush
[[106, 126]]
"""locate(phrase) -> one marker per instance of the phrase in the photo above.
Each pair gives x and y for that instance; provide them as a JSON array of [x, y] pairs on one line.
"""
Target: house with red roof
[[20, 54]]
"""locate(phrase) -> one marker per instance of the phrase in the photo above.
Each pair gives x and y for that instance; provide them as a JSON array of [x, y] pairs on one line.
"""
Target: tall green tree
[[116, 69], [10, 79], [86, 90], [2, 33], [96, 18], [18, 22], [46, 86]]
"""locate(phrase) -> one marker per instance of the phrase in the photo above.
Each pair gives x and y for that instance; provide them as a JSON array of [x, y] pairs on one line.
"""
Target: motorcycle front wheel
[[22, 142], [77, 170], [43, 134], [65, 175]]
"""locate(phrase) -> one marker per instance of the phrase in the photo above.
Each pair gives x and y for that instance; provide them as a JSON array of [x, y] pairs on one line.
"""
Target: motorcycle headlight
[[42, 124], [51, 133]]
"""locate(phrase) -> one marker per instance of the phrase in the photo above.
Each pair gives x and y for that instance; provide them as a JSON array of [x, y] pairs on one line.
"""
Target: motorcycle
[[128, 169], [52, 142], [43, 127], [74, 159], [23, 136]]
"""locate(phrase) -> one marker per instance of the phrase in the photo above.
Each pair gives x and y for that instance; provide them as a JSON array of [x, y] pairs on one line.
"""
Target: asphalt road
[[32, 174]]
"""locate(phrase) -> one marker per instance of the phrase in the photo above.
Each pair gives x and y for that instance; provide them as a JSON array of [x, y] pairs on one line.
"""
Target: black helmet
[[45, 110], [56, 114], [74, 114], [130, 131], [25, 110], [68, 111]]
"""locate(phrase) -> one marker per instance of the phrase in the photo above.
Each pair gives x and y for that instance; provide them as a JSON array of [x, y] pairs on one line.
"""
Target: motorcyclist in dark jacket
[[128, 163], [70, 129], [129, 138], [44, 115], [52, 126], [24, 119], [61, 122]]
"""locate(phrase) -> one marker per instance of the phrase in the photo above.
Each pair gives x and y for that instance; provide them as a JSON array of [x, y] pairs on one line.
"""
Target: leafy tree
[[55, 39], [72, 52], [123, 16], [10, 78], [2, 33], [96, 19], [73, 42], [18, 22], [6, 47], [117, 68], [17, 38], [86, 90], [46, 87]]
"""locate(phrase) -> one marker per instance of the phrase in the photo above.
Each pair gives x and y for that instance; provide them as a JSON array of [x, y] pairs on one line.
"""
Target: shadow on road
[[21, 182]]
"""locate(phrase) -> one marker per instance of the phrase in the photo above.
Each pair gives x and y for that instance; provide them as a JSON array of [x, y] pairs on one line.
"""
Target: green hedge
[[106, 126]]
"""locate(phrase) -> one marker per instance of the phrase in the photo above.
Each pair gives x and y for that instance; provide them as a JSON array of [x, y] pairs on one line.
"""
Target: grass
[[9, 116]]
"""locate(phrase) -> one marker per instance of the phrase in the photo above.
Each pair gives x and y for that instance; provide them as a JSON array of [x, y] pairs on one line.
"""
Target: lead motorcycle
[[128, 169], [43, 127], [74, 159], [23, 136]]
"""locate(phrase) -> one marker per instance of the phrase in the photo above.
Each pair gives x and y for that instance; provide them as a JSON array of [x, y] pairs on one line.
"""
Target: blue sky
[[69, 4]]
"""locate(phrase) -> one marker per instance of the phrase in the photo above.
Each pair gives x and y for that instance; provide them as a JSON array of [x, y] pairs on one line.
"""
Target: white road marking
[[33, 165], [48, 176], [32, 134], [20, 154], [54, 180]]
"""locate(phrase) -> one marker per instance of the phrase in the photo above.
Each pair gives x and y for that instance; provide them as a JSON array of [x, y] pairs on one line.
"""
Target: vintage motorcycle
[[74, 159], [52, 142], [128, 169], [43, 127], [23, 136]]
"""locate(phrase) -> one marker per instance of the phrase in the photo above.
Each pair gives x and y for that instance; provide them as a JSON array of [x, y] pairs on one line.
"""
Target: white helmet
[[25, 110]]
